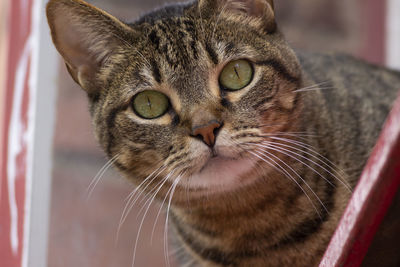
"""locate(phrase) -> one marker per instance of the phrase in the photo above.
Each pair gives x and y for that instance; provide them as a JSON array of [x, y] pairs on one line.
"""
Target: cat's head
[[184, 93]]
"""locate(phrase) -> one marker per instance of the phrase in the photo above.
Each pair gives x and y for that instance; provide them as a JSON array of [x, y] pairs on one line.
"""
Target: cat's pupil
[[236, 71], [149, 102]]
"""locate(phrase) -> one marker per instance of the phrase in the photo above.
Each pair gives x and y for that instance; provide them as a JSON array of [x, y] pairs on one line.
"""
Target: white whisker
[[314, 162], [301, 178], [139, 191], [144, 216], [130, 203], [147, 197], [100, 174], [159, 212], [177, 251], [293, 134], [189, 263], [174, 185], [273, 146], [323, 159], [287, 174], [314, 87]]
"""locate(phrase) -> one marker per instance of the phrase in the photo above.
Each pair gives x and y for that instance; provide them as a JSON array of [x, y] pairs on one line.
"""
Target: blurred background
[[82, 230]]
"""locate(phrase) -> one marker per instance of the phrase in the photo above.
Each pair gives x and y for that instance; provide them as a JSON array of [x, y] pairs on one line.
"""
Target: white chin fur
[[221, 174]]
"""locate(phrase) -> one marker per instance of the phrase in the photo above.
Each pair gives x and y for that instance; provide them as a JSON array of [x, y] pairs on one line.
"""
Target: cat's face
[[181, 96]]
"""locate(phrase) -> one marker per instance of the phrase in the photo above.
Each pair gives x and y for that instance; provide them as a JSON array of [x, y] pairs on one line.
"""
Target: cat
[[255, 148]]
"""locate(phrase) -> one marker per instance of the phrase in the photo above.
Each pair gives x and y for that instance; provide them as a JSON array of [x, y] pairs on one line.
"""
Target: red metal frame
[[371, 199]]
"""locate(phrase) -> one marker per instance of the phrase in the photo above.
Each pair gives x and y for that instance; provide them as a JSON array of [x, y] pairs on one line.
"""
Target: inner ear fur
[[86, 37], [261, 9]]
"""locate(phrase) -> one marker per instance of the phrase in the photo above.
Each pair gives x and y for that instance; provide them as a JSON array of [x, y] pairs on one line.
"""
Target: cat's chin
[[220, 174]]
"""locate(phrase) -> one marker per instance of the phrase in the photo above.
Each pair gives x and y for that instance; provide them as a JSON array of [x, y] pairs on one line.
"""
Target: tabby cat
[[205, 107]]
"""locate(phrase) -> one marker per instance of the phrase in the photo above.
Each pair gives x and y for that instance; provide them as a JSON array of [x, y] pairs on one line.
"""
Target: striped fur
[[289, 152]]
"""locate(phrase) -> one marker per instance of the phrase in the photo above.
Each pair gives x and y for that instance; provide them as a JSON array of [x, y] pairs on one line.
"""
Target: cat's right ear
[[263, 10], [86, 37]]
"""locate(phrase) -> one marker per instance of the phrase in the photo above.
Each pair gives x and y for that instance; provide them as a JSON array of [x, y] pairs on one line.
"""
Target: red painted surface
[[19, 29], [377, 187]]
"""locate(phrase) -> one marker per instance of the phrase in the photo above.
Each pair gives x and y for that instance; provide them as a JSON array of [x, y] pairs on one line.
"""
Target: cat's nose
[[207, 133]]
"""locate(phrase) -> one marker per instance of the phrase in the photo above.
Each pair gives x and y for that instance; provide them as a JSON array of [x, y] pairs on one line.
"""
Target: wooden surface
[[371, 199]]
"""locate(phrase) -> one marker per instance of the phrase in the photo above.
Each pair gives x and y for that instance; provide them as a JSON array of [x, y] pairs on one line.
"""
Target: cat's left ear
[[87, 38], [262, 9]]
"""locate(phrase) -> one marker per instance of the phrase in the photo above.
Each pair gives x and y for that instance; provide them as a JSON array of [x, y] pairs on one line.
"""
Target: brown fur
[[284, 210]]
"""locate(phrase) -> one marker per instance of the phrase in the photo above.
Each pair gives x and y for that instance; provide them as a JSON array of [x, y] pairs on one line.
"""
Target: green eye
[[236, 75], [150, 104]]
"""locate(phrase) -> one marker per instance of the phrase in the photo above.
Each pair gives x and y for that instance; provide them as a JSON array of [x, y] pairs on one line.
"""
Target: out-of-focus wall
[[393, 34], [3, 61], [3, 42]]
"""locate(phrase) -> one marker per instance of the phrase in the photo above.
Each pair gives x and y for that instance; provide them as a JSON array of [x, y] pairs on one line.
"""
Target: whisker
[[298, 135], [187, 193], [177, 250], [145, 213], [314, 162], [174, 185], [283, 171], [323, 158], [152, 190], [312, 87], [100, 174], [140, 192], [147, 197], [294, 134], [189, 263], [243, 149], [301, 178], [271, 146], [287, 174], [137, 187], [129, 205], [159, 211], [158, 215]]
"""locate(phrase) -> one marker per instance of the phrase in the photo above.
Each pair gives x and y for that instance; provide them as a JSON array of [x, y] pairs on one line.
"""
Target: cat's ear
[[262, 9], [86, 37]]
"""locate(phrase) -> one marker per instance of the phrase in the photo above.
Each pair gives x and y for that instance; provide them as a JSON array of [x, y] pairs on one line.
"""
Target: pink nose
[[207, 132]]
